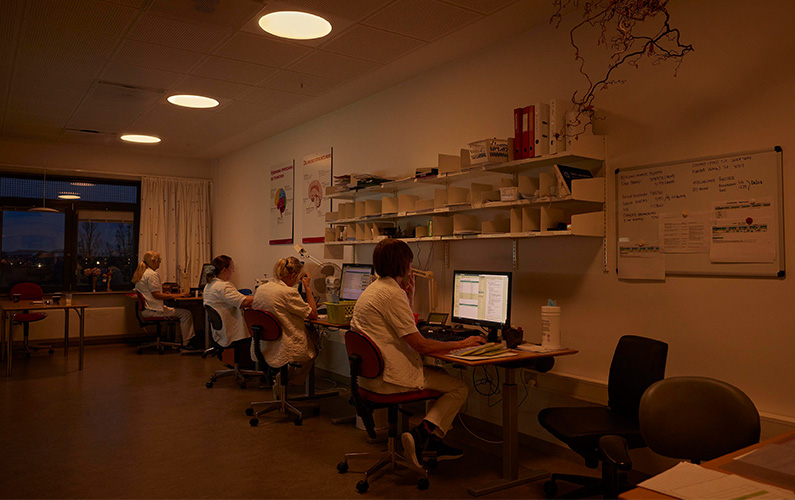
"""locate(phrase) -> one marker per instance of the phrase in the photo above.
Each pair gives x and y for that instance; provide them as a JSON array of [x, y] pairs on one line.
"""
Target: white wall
[[732, 94]]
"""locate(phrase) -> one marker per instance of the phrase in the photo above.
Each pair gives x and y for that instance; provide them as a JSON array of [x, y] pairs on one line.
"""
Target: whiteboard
[[721, 215]]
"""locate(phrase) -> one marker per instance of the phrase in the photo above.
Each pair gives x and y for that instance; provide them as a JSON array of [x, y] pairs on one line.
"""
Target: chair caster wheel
[[250, 412], [423, 483], [253, 422], [362, 486], [550, 489], [208, 385], [342, 467], [298, 421]]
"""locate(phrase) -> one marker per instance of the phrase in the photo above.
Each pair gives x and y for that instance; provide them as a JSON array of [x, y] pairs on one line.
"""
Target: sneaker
[[443, 451], [413, 443], [192, 347]]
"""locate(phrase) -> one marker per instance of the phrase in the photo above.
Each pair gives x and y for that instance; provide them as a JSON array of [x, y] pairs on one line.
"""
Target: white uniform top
[[224, 298], [150, 282], [284, 302], [383, 314]]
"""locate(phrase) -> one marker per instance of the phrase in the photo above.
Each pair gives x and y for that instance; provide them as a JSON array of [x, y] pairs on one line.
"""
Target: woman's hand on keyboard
[[470, 341]]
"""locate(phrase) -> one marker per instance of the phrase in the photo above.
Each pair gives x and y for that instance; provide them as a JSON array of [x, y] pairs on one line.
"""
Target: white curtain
[[175, 221]]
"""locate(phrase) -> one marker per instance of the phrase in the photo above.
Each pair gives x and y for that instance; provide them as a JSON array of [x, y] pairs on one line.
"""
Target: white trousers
[[442, 412], [185, 320]]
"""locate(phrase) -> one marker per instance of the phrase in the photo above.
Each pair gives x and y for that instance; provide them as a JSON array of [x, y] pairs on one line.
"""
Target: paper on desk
[[693, 482], [538, 348]]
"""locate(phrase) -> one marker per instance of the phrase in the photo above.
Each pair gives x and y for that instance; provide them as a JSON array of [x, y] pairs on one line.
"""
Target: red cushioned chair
[[264, 327], [28, 291], [366, 361], [158, 322]]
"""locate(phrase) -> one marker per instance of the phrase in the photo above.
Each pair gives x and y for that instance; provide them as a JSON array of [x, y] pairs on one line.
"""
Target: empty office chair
[[158, 322], [637, 363], [366, 361], [264, 327], [233, 356], [28, 291]]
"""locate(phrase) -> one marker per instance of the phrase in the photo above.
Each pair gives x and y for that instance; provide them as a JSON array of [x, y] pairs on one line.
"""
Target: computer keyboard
[[448, 335]]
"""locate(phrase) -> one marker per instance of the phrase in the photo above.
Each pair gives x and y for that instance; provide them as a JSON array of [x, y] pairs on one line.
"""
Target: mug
[[16, 297], [56, 299]]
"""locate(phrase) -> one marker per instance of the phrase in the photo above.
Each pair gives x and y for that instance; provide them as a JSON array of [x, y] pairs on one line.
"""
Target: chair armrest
[[615, 451]]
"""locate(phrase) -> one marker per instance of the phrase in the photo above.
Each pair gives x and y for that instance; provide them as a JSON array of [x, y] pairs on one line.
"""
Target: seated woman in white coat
[[147, 283], [221, 295], [298, 343]]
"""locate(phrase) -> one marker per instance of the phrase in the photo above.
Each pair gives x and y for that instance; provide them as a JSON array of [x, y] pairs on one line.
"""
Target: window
[[80, 244]]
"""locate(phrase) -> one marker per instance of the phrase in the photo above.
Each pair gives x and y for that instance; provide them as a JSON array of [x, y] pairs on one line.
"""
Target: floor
[[145, 426]]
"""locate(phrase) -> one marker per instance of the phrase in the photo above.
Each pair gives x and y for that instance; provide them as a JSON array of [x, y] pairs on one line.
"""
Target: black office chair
[[170, 322], [232, 356], [696, 419], [637, 363]]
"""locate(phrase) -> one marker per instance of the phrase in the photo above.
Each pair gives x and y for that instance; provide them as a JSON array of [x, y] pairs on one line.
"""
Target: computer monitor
[[482, 298], [203, 276], [355, 278]]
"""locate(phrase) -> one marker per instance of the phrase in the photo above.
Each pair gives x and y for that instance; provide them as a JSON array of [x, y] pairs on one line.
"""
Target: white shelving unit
[[359, 219]]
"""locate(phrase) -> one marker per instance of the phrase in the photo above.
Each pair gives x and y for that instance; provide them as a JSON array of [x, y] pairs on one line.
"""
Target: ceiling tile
[[423, 19], [349, 9], [59, 42], [300, 83], [173, 33], [23, 117], [209, 87], [85, 137], [275, 98], [260, 50], [157, 56], [222, 68], [138, 76], [167, 120], [482, 6], [333, 66], [234, 119], [86, 15], [32, 131], [372, 44], [122, 95], [55, 102], [228, 15]]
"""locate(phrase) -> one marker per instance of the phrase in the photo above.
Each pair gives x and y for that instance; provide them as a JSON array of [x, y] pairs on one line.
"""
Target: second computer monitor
[[482, 298], [355, 278]]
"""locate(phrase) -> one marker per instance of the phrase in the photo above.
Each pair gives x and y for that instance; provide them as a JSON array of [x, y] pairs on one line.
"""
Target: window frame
[[71, 210]]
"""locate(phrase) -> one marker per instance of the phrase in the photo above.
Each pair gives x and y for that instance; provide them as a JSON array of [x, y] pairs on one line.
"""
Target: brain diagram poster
[[316, 175], [281, 204]]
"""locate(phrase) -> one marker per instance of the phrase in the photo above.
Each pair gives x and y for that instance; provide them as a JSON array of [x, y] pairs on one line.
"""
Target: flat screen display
[[355, 278], [482, 298]]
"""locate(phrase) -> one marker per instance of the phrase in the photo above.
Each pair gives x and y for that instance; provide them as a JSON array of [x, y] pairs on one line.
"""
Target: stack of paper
[[488, 350]]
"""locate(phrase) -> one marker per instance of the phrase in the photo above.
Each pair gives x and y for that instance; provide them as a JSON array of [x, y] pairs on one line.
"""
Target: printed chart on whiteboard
[[720, 215]]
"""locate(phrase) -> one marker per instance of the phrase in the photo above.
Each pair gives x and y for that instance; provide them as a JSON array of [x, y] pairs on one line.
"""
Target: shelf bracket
[[446, 255], [513, 248]]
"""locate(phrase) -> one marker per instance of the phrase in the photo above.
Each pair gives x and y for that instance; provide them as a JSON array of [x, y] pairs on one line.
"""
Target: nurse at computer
[[298, 343], [221, 295], [383, 313]]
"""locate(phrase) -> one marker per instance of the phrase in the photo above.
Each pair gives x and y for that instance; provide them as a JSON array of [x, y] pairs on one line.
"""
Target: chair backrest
[[27, 291], [697, 418], [263, 327], [245, 291], [370, 362], [215, 319], [638, 362]]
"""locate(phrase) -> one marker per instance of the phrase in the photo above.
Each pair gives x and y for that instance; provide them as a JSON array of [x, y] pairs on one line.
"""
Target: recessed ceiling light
[[295, 25], [193, 101], [142, 139], [65, 195]]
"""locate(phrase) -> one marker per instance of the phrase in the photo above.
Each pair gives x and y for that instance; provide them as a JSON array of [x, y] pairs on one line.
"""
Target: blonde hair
[[285, 267], [149, 257]]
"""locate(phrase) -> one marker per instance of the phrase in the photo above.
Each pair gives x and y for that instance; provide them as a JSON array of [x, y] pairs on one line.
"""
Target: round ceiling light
[[141, 139], [66, 195], [295, 25], [193, 101]]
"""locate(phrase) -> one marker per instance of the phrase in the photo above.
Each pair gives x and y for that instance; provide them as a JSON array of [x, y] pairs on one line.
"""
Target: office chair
[[264, 327], [158, 322], [245, 291], [230, 356], [637, 363], [28, 291], [366, 361]]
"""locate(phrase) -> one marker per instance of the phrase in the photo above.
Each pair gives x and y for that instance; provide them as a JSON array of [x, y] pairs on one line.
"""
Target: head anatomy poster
[[316, 177]]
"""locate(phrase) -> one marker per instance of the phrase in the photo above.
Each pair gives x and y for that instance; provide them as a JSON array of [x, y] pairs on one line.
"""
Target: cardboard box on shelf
[[488, 151], [440, 198], [441, 226], [372, 207], [389, 205], [423, 205], [465, 224], [407, 202], [496, 226]]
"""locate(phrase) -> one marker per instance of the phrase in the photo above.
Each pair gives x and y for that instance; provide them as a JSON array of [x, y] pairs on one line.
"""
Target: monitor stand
[[494, 335]]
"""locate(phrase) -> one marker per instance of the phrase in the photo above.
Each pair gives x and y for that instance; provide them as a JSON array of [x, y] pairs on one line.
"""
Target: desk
[[192, 303], [9, 308], [715, 464], [510, 415]]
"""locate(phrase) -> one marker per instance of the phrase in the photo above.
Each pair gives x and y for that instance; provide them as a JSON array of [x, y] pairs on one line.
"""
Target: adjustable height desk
[[510, 415]]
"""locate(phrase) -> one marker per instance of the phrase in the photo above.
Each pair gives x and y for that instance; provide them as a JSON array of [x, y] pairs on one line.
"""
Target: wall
[[731, 95]]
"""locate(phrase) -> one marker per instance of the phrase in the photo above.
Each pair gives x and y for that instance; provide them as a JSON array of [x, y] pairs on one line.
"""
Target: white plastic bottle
[[550, 326]]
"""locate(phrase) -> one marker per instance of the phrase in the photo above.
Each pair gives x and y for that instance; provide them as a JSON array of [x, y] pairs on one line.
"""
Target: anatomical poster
[[316, 177], [281, 204]]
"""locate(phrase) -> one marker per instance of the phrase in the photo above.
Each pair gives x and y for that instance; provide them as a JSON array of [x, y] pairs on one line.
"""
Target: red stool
[[366, 361], [28, 291]]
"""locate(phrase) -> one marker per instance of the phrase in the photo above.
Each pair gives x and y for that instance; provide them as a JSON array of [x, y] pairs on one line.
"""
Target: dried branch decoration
[[626, 17]]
